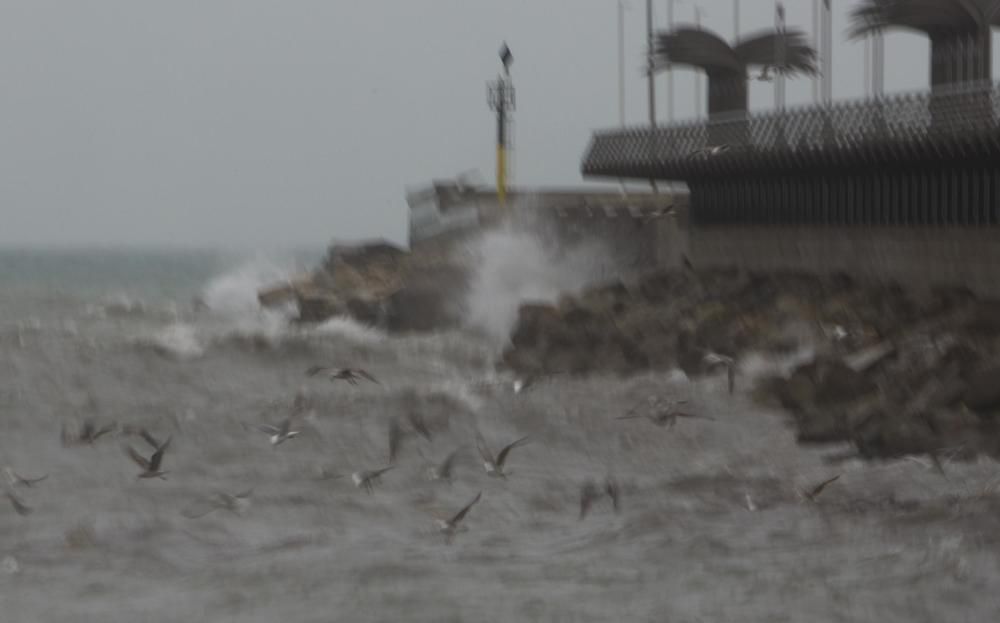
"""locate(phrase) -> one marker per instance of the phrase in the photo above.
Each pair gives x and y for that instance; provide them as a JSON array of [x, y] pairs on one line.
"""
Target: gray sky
[[288, 122]]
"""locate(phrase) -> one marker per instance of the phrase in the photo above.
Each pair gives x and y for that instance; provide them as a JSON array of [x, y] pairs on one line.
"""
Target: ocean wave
[[515, 267], [349, 329], [235, 291], [119, 305], [178, 341]]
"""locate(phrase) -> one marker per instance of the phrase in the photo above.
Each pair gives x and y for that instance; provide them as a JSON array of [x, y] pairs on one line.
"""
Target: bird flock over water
[[658, 411]]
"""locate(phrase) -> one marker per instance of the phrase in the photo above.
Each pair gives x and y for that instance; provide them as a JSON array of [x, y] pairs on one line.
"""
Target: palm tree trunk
[[728, 104]]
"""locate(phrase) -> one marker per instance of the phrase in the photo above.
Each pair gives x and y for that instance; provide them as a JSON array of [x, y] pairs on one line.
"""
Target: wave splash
[[515, 267]]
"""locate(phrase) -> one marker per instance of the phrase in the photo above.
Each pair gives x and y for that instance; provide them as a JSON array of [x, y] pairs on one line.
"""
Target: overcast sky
[[291, 122]]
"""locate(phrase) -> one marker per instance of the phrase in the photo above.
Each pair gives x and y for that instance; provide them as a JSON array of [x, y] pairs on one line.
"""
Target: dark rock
[[424, 305], [533, 321], [982, 393], [635, 358], [656, 288], [985, 319], [364, 253], [887, 436], [315, 307], [824, 381], [578, 316], [366, 311]]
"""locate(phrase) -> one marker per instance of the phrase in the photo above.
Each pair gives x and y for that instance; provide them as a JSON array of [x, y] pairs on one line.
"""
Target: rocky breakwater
[[379, 284], [889, 372]]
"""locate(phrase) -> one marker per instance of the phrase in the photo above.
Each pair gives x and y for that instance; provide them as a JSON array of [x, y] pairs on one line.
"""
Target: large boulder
[[428, 302], [535, 321], [982, 392], [284, 293], [316, 306], [366, 253]]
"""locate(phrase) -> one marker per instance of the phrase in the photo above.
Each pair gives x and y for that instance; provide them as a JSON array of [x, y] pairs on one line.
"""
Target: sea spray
[[235, 291], [350, 330], [516, 266], [179, 341]]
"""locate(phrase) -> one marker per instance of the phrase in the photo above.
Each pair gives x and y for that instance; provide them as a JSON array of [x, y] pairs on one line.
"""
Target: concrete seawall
[[914, 257], [644, 231]]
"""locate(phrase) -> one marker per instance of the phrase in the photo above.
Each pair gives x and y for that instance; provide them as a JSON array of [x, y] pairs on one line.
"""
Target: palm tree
[[959, 31], [727, 66]]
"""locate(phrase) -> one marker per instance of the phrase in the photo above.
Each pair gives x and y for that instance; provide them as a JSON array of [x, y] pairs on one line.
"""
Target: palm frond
[[927, 16], [765, 48], [695, 47]]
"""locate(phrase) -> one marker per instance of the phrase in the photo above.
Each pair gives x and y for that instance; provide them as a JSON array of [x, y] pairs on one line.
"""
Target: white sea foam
[[178, 340], [515, 267], [349, 329], [235, 291]]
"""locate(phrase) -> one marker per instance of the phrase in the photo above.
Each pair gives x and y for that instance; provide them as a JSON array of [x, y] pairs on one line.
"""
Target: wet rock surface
[[890, 372], [378, 284]]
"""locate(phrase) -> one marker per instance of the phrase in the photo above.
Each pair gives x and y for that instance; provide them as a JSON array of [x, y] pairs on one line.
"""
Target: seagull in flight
[[17, 480], [150, 467], [666, 417], [395, 439], [278, 435], [87, 434], [812, 493], [450, 527], [235, 503], [714, 361], [443, 470], [494, 466], [20, 507], [654, 402], [367, 479], [590, 493], [419, 425], [397, 434], [351, 375]]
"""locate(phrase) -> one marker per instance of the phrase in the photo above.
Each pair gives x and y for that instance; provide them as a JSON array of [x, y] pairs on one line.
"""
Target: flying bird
[[812, 493], [395, 439], [20, 507], [443, 471], [16, 480], [654, 402], [149, 438], [450, 527], [278, 435], [714, 361], [351, 375], [614, 492], [235, 503], [590, 493], [523, 383], [494, 466], [419, 425], [666, 417], [150, 467], [397, 434], [87, 434], [367, 479]]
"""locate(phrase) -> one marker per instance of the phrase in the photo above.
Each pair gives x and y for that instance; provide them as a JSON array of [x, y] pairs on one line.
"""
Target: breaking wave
[[515, 267]]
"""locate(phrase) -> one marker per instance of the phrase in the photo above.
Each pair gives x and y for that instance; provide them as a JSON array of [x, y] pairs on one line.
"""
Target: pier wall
[[915, 257]]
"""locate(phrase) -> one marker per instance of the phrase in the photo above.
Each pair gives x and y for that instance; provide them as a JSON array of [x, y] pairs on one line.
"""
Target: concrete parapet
[[914, 257]]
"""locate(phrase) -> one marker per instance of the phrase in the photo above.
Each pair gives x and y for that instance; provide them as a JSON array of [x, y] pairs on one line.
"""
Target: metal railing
[[942, 113]]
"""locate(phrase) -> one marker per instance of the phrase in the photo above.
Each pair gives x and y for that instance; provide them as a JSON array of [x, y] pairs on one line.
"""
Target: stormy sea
[[715, 517]]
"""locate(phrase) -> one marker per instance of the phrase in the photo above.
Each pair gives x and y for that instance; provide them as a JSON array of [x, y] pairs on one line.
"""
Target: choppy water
[[887, 542]]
